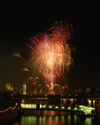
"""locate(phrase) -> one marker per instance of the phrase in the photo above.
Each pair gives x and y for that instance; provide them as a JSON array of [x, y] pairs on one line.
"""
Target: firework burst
[[51, 53]]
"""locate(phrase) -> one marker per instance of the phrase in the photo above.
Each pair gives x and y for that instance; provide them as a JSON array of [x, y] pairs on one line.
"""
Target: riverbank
[[7, 117]]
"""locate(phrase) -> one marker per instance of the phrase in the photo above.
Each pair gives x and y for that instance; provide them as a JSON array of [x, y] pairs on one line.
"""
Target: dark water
[[55, 118]]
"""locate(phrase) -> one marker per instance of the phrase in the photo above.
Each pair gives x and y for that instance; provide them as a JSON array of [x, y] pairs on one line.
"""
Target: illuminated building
[[8, 86], [24, 89], [11, 88]]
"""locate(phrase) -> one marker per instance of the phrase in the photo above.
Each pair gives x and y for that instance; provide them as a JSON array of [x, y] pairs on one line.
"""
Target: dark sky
[[19, 21]]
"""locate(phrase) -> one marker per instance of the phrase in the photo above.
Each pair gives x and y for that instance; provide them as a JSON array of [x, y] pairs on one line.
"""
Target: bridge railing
[[47, 107], [9, 108]]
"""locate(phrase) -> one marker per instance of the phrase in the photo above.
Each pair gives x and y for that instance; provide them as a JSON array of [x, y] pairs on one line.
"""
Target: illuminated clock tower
[[24, 88]]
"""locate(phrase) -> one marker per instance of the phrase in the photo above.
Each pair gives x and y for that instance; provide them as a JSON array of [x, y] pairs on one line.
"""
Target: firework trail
[[51, 52]]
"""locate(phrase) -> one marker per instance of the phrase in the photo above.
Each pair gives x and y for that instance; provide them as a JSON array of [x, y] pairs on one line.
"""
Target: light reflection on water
[[44, 120], [70, 119], [56, 117]]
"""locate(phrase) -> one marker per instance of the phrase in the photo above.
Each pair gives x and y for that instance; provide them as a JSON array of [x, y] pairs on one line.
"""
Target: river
[[55, 118]]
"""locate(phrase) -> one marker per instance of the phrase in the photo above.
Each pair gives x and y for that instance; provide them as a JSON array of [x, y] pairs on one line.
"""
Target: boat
[[86, 111]]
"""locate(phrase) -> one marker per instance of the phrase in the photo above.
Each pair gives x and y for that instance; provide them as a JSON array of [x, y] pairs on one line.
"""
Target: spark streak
[[51, 53]]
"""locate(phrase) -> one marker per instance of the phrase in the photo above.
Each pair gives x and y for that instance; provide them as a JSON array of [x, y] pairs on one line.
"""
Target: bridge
[[81, 110], [25, 106]]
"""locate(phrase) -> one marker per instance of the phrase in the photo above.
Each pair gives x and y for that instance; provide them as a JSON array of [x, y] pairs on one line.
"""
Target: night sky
[[20, 21]]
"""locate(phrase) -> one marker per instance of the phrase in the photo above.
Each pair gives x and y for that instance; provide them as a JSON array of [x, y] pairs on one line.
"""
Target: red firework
[[51, 53]]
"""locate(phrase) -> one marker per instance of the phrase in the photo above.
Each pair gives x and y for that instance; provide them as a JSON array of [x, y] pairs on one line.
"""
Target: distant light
[[69, 107], [22, 105], [43, 106], [56, 107], [26, 105], [62, 107], [23, 101], [33, 105], [50, 106], [60, 99], [64, 99], [29, 105]]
